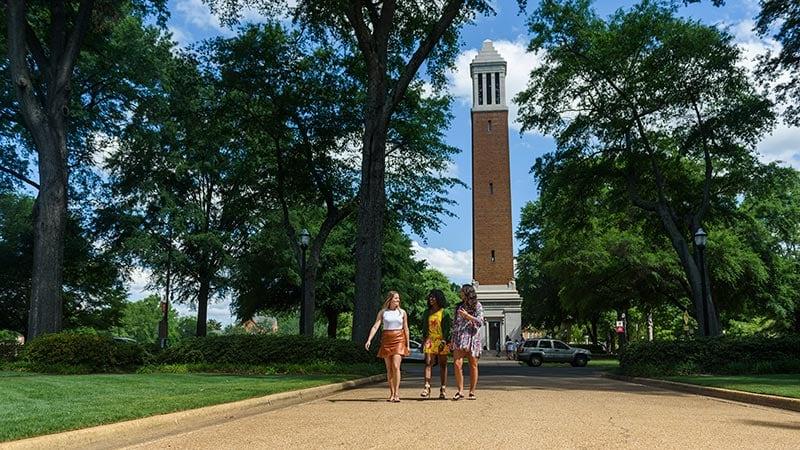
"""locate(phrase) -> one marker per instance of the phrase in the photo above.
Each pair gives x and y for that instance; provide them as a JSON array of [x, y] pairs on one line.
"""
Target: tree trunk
[[50, 215], [692, 271], [593, 324], [202, 306], [369, 235], [333, 322]]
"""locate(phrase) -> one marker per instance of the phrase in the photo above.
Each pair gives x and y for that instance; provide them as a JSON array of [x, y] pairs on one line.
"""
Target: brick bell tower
[[492, 244]]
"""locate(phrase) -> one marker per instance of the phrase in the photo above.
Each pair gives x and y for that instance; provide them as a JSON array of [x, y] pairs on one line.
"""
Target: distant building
[[492, 244]]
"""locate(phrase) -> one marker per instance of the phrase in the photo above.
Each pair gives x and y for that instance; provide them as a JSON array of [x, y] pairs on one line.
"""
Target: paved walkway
[[517, 407]]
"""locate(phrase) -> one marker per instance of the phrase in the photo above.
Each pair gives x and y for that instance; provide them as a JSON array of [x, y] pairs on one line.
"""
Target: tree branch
[[20, 76], [19, 176], [72, 49], [363, 36], [36, 49], [449, 13], [698, 217]]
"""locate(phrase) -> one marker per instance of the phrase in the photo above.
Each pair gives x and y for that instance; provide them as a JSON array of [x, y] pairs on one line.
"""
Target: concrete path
[[517, 407]]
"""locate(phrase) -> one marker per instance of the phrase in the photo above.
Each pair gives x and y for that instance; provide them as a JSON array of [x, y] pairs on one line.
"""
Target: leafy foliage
[[81, 353]]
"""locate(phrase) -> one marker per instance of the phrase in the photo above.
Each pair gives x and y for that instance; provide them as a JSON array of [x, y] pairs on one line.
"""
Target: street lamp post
[[700, 239], [306, 311]]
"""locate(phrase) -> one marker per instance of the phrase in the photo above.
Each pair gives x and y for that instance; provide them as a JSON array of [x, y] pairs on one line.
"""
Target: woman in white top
[[394, 340]]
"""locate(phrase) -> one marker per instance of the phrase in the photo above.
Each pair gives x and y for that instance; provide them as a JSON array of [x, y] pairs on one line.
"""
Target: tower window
[[488, 88], [480, 88], [493, 256], [489, 126], [491, 188], [497, 87]]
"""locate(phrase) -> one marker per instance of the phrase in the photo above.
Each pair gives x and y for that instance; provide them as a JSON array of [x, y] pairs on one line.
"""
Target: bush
[[257, 349], [319, 368], [9, 350], [81, 353], [721, 355]]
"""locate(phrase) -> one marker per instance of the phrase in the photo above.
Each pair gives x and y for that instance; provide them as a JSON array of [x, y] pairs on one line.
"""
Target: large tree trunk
[[369, 235], [692, 271], [202, 306], [50, 215], [371, 208]]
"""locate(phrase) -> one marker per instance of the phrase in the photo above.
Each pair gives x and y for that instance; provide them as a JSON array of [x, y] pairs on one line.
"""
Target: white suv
[[536, 351]]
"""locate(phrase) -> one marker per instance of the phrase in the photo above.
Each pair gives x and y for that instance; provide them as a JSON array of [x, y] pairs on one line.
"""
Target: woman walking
[[466, 340], [394, 340], [435, 335]]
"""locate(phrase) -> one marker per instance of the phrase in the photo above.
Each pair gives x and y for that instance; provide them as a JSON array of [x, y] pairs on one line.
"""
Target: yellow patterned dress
[[435, 344]]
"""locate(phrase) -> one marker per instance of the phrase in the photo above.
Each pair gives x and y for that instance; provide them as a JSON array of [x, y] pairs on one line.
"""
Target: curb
[[137, 431], [772, 401]]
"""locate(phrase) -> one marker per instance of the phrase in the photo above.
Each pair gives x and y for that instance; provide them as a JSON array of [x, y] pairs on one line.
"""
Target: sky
[[449, 250]]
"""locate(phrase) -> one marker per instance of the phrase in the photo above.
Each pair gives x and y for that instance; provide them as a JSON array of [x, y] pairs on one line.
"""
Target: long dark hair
[[438, 296], [469, 298]]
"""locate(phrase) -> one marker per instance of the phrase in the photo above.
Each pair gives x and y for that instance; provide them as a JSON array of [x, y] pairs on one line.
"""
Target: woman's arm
[[478, 317], [374, 329], [405, 330]]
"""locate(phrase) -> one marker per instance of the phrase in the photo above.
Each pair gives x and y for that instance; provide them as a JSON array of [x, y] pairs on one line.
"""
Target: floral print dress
[[465, 334]]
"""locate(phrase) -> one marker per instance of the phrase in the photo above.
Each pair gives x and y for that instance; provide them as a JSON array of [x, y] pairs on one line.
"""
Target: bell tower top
[[488, 71]]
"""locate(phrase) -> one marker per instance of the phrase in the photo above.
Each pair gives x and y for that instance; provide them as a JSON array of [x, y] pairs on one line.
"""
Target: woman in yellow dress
[[436, 335]]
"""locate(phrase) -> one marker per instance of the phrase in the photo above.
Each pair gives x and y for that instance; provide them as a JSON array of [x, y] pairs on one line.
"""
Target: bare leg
[[389, 375], [442, 369], [396, 359], [428, 367], [473, 373], [458, 361]]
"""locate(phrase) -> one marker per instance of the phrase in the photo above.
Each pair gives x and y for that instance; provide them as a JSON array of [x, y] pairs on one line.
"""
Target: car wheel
[[580, 361], [535, 361]]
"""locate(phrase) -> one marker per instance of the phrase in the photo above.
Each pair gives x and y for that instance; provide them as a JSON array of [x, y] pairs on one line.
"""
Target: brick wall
[[491, 199]]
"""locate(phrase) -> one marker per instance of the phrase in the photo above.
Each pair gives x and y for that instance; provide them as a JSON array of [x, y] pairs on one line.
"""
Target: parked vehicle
[[537, 351], [416, 352]]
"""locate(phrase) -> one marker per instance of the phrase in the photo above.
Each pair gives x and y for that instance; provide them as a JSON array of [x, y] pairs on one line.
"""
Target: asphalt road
[[517, 407]]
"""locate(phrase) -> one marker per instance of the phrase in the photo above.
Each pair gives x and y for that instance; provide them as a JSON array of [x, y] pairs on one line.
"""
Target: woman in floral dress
[[436, 333], [466, 341]]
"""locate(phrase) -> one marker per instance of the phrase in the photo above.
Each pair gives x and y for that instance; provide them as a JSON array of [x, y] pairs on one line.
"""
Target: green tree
[[186, 185], [140, 321], [651, 106], [44, 89], [390, 41], [93, 292]]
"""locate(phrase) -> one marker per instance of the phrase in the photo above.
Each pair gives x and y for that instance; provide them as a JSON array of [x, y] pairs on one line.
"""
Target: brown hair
[[470, 297], [389, 298]]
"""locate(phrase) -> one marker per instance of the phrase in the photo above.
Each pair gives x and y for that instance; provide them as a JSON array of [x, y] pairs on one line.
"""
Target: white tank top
[[392, 319]]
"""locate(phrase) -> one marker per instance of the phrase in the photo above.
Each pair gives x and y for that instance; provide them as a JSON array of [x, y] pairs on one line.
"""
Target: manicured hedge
[[722, 355], [264, 349], [81, 353], [9, 350]]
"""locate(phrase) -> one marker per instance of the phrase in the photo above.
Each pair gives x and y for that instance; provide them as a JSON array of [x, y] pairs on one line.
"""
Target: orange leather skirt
[[393, 342]]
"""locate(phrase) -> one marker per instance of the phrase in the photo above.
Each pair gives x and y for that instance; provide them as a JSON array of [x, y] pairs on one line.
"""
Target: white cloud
[[137, 287], [783, 144], [520, 64], [180, 37], [456, 265], [197, 13]]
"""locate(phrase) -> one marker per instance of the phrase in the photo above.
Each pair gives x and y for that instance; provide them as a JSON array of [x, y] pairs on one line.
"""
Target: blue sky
[[450, 249]]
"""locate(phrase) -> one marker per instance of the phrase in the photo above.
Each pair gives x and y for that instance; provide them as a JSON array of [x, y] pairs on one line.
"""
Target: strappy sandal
[[426, 391], [442, 393], [458, 396], [471, 396]]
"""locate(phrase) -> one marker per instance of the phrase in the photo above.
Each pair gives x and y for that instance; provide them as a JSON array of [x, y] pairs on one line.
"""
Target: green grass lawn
[[785, 385], [33, 404]]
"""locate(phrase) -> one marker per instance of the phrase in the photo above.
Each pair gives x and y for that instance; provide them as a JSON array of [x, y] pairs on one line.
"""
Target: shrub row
[[721, 355], [81, 353], [9, 350], [246, 349]]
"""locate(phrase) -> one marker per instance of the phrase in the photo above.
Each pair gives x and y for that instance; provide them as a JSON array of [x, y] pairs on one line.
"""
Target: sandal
[[471, 396], [442, 393], [426, 391], [458, 396]]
